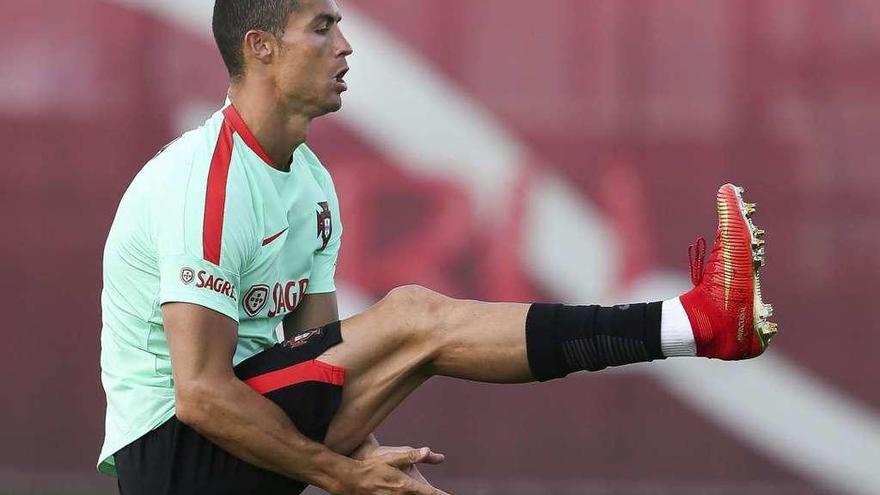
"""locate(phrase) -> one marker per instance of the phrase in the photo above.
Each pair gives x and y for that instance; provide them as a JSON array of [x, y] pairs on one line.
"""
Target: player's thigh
[[383, 365], [367, 400]]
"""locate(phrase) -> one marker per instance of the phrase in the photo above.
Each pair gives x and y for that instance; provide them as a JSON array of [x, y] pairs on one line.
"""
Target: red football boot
[[725, 310]]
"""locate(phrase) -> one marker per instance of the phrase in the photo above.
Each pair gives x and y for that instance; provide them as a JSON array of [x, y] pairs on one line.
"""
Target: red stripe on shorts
[[309, 371], [215, 195]]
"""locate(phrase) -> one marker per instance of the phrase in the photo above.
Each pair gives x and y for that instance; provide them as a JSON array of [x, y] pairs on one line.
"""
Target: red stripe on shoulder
[[215, 196], [238, 125]]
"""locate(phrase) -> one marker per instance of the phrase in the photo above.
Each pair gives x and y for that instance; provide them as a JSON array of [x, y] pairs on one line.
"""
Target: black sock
[[561, 339]]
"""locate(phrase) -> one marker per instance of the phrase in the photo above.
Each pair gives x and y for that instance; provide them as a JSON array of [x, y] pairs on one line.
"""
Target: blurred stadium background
[[495, 149]]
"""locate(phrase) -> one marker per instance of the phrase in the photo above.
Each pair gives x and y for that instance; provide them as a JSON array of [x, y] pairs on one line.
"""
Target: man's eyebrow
[[330, 18]]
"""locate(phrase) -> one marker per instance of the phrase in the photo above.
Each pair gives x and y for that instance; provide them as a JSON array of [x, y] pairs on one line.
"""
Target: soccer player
[[234, 229]]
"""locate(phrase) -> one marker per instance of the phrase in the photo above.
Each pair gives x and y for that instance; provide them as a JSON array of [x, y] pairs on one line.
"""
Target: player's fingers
[[407, 457], [428, 456], [403, 458], [434, 458]]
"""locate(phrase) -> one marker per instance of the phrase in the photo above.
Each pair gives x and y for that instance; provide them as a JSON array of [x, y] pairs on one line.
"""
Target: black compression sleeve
[[561, 339]]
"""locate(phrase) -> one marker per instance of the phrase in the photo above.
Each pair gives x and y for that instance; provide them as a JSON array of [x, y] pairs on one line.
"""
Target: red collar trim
[[234, 118]]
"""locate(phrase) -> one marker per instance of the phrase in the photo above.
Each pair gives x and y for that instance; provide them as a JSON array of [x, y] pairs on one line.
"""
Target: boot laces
[[696, 260]]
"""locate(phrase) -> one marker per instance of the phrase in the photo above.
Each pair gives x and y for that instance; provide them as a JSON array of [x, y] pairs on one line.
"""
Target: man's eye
[[323, 29]]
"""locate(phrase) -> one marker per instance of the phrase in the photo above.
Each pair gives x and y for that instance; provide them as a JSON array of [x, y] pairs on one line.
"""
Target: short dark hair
[[234, 18]]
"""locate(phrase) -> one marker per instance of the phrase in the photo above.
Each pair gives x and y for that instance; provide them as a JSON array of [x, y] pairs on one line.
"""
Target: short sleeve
[[203, 230], [322, 279]]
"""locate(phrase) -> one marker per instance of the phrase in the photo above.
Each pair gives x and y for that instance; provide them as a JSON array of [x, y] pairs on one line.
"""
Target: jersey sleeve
[[203, 228], [322, 279]]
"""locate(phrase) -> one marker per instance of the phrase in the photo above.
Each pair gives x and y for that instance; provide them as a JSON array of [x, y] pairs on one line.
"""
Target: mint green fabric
[[154, 255]]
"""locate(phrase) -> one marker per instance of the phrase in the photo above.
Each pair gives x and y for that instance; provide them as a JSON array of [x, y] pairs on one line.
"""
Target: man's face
[[312, 60]]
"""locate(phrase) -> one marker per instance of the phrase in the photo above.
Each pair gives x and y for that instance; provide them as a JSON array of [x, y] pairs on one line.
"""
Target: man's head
[[295, 45]]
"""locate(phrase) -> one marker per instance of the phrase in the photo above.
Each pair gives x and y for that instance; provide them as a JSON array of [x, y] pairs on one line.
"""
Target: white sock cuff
[[676, 335]]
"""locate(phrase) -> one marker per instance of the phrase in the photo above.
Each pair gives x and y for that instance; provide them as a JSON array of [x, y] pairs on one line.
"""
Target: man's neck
[[278, 130]]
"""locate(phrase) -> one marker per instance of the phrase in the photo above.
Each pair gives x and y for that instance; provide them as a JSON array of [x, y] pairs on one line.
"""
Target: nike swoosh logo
[[276, 236]]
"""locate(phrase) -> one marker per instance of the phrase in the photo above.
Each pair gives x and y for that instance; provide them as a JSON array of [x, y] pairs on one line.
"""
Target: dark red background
[[681, 95]]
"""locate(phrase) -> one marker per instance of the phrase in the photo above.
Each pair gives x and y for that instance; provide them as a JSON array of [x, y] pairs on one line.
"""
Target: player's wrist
[[336, 474]]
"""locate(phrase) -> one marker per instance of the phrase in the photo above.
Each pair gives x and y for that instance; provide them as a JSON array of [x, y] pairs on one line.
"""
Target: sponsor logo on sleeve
[[205, 280], [187, 275]]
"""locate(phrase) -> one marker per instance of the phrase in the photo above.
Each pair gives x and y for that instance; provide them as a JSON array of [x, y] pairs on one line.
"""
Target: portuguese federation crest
[[325, 224]]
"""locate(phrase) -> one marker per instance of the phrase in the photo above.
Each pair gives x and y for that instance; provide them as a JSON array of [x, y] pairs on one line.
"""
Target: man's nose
[[345, 48]]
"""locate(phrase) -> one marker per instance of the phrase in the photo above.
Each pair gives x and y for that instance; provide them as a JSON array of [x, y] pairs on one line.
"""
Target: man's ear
[[259, 45]]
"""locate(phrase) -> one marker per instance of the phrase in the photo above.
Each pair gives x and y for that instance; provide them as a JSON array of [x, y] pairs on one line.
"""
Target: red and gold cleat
[[725, 310]]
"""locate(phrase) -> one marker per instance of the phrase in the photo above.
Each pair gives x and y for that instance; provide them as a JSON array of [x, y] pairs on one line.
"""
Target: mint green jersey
[[208, 221]]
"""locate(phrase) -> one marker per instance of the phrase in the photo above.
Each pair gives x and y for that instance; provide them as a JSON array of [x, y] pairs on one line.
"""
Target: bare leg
[[411, 335]]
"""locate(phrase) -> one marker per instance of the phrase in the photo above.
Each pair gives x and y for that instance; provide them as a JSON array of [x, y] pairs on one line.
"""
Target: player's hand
[[372, 449], [412, 470], [385, 473]]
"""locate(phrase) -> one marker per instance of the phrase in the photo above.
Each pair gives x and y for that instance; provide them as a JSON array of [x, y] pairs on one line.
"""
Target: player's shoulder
[[305, 156], [192, 149], [190, 176]]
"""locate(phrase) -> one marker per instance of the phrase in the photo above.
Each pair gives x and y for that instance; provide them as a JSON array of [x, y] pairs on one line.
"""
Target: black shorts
[[174, 459]]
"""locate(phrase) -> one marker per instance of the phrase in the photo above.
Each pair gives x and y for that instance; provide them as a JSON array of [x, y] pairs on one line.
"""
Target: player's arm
[[213, 401], [210, 399]]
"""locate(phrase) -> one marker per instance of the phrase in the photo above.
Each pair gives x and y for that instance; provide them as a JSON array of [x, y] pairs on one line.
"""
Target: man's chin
[[332, 106], [316, 107]]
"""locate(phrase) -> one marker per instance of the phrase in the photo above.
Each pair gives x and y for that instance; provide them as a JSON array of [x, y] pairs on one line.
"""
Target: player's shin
[[563, 339]]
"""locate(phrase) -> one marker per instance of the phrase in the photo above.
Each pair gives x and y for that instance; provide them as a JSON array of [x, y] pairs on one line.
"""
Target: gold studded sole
[[764, 328]]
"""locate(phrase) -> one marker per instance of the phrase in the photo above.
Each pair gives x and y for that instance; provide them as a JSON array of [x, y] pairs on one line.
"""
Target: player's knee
[[417, 309], [410, 294]]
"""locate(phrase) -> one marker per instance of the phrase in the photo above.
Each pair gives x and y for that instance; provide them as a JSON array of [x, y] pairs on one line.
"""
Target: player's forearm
[[257, 431]]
